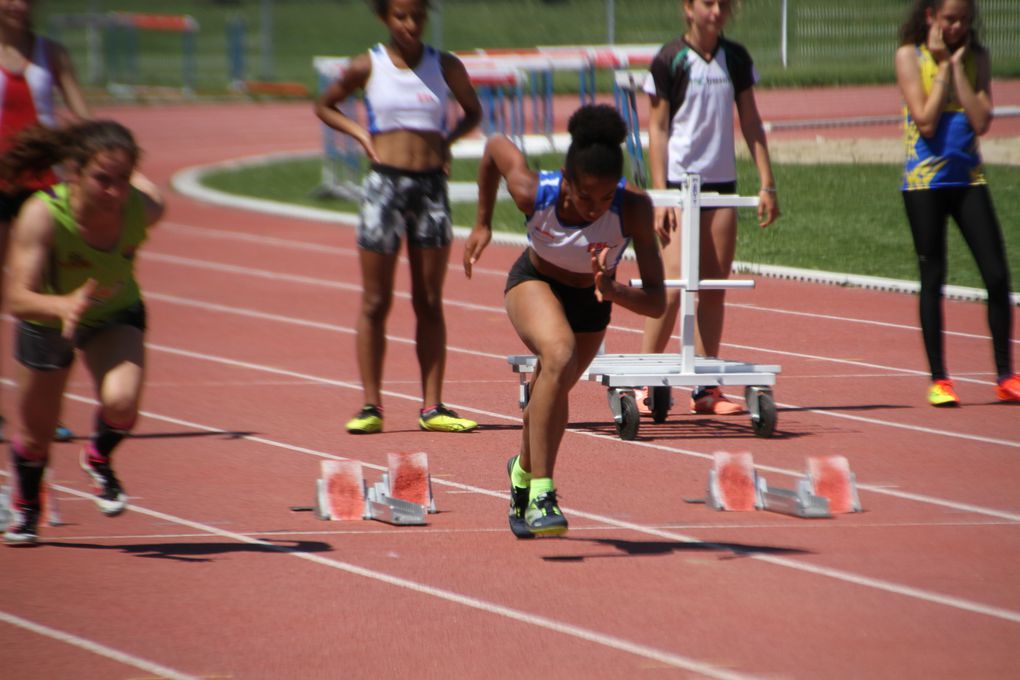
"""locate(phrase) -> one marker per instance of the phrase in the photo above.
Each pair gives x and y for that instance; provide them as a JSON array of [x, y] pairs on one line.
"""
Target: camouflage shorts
[[396, 204]]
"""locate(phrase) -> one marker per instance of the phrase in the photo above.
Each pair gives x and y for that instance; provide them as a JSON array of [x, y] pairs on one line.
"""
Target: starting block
[[402, 497], [828, 487]]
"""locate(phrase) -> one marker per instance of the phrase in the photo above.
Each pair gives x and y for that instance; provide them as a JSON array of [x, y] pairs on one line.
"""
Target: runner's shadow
[[200, 552], [652, 548]]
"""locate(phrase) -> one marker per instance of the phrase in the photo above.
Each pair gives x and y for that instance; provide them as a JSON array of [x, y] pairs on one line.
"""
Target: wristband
[[767, 190]]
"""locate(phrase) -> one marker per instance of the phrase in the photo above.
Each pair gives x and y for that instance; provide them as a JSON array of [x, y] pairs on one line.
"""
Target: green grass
[[835, 217], [829, 42]]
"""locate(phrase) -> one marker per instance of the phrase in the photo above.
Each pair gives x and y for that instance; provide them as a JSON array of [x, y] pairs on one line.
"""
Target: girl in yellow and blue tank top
[[943, 72]]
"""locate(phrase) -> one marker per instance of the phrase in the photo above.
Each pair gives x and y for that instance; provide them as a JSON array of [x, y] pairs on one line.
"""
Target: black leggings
[[971, 208]]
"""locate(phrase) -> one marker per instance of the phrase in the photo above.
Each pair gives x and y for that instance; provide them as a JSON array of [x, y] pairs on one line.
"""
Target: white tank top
[[569, 246], [406, 99]]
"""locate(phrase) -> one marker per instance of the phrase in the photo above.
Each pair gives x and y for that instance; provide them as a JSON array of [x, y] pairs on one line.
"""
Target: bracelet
[[767, 190]]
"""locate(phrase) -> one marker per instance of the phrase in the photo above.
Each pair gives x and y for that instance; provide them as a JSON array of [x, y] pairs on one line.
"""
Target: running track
[[251, 378]]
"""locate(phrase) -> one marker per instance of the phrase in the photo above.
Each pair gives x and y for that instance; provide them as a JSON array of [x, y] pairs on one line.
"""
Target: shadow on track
[[199, 551], [654, 548]]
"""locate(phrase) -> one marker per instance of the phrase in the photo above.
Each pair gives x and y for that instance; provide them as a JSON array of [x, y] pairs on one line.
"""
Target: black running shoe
[[544, 517], [110, 496], [518, 505], [24, 526]]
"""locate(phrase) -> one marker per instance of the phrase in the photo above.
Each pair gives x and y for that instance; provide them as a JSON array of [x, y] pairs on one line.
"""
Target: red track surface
[[251, 378]]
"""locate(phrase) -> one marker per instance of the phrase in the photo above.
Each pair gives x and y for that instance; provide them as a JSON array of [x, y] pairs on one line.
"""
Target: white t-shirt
[[701, 97]]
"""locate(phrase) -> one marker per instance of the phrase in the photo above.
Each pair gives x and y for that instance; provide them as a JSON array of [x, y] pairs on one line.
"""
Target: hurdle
[[121, 45], [621, 373], [626, 85]]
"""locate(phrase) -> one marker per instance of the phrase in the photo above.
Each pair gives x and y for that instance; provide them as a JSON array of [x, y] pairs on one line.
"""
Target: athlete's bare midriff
[[411, 150]]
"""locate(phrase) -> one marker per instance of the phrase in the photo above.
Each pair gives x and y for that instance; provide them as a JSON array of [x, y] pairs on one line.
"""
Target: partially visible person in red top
[[32, 69]]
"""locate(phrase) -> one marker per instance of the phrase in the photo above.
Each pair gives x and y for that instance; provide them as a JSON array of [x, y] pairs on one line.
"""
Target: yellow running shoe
[[941, 393], [441, 419], [544, 516], [368, 420]]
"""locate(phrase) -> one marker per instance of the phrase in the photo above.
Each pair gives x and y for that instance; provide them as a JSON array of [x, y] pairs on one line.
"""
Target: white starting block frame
[[621, 373]]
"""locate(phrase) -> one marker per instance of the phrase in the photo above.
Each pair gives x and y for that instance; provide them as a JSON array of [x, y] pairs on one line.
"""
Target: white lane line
[[317, 325], [521, 616], [188, 302], [95, 647], [852, 320], [326, 283], [293, 278], [290, 244], [836, 574]]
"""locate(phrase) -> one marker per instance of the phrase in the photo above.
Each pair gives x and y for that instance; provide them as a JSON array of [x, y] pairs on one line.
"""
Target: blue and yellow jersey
[[950, 158], [73, 261]]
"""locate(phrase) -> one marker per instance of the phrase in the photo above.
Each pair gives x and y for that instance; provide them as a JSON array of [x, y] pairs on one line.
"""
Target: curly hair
[[381, 7], [914, 29], [37, 148], [596, 133]]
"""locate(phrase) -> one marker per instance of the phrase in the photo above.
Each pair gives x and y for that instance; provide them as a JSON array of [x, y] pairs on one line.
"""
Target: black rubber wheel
[[630, 419], [661, 397], [765, 426]]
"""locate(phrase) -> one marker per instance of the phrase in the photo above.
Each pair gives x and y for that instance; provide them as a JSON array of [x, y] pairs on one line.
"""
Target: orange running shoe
[[1009, 389], [711, 401], [941, 393]]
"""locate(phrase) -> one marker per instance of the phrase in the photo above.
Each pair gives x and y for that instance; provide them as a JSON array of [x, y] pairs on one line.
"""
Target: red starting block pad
[[403, 496], [733, 483], [831, 478], [341, 490], [827, 488], [409, 480]]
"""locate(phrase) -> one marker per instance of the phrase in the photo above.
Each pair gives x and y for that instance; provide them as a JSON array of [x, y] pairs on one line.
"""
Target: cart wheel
[[765, 425], [627, 428], [661, 398]]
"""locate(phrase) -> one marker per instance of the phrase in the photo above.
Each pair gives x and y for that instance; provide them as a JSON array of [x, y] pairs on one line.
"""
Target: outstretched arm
[[500, 159]]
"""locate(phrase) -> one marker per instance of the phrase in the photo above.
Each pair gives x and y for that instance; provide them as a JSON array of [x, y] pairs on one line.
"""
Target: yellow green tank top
[[73, 261], [951, 157]]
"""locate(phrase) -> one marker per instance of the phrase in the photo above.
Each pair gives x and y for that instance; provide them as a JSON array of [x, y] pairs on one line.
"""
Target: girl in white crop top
[[559, 293], [405, 84]]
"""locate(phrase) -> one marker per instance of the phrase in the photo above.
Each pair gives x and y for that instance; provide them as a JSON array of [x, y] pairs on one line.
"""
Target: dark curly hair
[[914, 29], [596, 133], [380, 7], [37, 148]]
